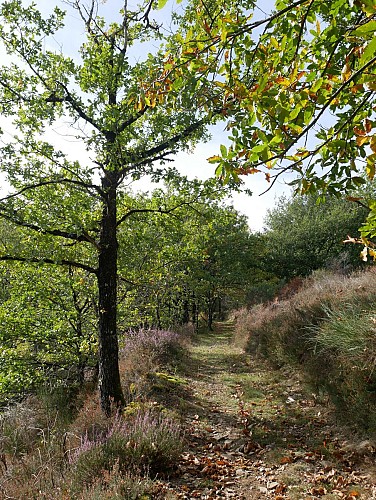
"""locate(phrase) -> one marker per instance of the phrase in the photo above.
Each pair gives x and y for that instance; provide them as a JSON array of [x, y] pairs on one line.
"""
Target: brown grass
[[39, 436], [326, 329]]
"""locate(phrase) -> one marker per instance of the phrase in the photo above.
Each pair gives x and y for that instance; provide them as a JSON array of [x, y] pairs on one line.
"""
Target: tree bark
[[111, 393]]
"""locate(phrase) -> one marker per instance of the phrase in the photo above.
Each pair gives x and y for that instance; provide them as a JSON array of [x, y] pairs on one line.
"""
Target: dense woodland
[[193, 267], [88, 266]]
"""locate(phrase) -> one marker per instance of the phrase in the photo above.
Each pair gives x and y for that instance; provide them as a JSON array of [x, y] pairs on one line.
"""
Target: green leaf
[[369, 52], [365, 29], [162, 3], [315, 87], [223, 150], [294, 113]]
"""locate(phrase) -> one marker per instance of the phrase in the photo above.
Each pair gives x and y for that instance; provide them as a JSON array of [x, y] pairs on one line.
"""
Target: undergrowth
[[58, 444], [328, 329]]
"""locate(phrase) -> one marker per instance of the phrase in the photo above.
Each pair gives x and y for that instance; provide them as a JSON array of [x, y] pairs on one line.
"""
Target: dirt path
[[254, 432]]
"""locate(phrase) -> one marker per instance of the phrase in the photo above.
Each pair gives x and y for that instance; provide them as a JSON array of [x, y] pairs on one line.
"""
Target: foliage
[[48, 327], [143, 355], [69, 211], [305, 69], [46, 455], [304, 234], [151, 442], [327, 329], [174, 268]]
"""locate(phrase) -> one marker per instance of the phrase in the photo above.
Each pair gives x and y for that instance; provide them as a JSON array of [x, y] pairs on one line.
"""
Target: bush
[[143, 354], [148, 442]]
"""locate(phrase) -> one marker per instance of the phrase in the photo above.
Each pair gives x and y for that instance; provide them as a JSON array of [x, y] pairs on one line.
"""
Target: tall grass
[[328, 329]]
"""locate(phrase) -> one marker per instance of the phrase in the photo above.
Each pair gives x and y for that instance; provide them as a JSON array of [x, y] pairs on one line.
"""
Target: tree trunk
[[111, 394]]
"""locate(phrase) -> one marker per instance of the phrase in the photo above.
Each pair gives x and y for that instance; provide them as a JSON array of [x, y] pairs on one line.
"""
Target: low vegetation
[[64, 447], [327, 329]]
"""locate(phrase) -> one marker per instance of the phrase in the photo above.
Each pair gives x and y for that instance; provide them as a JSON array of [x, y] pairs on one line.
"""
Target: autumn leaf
[[353, 494], [367, 125], [360, 141], [214, 159], [373, 143], [359, 131]]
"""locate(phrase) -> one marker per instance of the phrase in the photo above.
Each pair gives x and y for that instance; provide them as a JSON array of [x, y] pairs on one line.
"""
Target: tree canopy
[[69, 211], [303, 235], [297, 87]]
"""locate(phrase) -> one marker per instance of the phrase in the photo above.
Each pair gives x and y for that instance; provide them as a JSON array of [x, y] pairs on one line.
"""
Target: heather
[[58, 443]]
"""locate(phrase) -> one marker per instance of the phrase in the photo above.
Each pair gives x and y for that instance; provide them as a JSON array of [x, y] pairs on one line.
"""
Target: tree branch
[[53, 232], [144, 157], [51, 182], [316, 150], [62, 262], [79, 110]]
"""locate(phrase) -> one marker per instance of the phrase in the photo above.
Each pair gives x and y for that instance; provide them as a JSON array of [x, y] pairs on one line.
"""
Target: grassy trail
[[254, 432]]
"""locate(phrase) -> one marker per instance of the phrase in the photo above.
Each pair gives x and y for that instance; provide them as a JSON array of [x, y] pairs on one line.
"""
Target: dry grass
[[328, 329], [49, 452]]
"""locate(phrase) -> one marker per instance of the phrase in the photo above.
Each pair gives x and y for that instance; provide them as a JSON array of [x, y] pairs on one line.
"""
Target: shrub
[[143, 353], [148, 442], [161, 345]]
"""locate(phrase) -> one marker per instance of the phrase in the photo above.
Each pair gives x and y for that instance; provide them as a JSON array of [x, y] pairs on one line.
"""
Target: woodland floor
[[254, 432]]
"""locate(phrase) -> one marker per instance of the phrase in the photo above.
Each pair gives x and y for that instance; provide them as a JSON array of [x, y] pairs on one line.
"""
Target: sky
[[190, 164]]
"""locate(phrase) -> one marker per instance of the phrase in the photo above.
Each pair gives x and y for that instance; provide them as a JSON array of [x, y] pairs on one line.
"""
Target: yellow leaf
[[372, 253], [140, 106], [346, 72], [364, 253], [371, 85], [213, 159], [370, 170], [274, 42], [373, 143], [362, 140]]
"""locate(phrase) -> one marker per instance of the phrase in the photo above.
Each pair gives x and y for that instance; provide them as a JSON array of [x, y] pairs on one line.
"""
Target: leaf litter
[[256, 432]]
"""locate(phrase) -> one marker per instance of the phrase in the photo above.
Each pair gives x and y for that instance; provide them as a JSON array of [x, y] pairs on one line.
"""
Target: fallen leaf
[[273, 485]]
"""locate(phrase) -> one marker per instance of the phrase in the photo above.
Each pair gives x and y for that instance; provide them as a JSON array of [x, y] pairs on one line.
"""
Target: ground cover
[[254, 431]]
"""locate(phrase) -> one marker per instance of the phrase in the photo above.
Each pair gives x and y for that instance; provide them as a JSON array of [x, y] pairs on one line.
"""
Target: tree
[[298, 88], [46, 332], [129, 118], [183, 265], [303, 235]]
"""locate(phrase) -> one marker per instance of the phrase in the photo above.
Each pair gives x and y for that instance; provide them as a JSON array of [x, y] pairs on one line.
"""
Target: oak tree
[[130, 120]]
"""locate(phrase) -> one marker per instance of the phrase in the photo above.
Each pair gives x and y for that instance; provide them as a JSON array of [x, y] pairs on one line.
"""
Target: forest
[[134, 323]]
